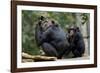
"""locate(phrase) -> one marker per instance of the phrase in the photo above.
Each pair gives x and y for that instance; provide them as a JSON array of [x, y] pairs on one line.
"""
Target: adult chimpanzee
[[51, 38], [76, 41]]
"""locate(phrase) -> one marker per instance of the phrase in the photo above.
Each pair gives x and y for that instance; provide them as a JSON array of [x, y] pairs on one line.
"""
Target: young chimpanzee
[[51, 38], [76, 41]]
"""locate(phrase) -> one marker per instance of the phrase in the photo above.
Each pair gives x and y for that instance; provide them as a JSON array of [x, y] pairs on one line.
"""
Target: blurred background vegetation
[[64, 19]]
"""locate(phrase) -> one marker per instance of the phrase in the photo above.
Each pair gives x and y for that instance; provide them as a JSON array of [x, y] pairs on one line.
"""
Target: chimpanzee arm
[[38, 34], [49, 49], [46, 33]]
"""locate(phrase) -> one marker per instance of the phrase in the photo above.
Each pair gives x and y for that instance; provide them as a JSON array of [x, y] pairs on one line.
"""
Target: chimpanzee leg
[[77, 53], [49, 50], [66, 50]]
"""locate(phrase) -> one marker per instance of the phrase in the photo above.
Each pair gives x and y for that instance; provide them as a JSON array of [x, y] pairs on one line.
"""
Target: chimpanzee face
[[46, 23], [72, 32]]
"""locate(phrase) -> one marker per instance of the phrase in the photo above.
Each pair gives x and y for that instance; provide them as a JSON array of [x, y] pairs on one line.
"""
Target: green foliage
[[29, 20], [84, 18]]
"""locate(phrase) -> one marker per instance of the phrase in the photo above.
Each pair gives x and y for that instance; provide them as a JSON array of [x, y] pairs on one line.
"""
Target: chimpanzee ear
[[77, 28], [42, 17], [53, 22], [68, 30], [39, 23]]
